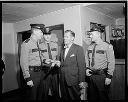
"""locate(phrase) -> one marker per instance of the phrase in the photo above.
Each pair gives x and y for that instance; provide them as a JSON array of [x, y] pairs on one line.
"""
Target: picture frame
[[118, 31]]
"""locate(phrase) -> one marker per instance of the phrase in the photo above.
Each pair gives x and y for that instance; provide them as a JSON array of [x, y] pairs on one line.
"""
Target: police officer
[[100, 64], [49, 79], [30, 59]]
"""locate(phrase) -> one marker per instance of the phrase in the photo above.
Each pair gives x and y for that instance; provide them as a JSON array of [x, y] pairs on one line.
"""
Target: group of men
[[49, 73]]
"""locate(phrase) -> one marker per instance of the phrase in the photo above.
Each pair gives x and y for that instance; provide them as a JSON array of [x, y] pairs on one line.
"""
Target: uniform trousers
[[69, 92], [32, 91], [97, 90], [51, 81]]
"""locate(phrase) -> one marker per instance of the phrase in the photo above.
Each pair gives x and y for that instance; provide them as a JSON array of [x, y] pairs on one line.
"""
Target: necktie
[[49, 51], [93, 55], [39, 53]]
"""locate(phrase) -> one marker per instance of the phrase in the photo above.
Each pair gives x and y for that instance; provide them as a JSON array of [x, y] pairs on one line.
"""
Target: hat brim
[[47, 33], [94, 30]]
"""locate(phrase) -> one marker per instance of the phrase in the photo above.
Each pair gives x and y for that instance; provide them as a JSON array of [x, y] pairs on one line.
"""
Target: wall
[[120, 21], [117, 91], [8, 54], [89, 15], [70, 17]]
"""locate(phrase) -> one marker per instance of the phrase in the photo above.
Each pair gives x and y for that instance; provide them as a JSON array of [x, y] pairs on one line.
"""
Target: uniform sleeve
[[111, 61], [24, 62], [81, 64], [87, 59]]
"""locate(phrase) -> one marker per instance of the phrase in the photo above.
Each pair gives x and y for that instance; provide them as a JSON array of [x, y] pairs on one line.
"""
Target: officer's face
[[68, 38], [94, 35], [38, 33], [47, 37]]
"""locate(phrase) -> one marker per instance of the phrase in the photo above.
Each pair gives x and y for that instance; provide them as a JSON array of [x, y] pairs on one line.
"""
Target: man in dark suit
[[72, 74]]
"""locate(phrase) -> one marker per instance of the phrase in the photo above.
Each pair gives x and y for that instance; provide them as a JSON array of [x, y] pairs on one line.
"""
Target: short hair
[[71, 32]]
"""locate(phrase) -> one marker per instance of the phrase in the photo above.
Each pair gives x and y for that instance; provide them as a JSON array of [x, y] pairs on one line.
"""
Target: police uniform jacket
[[53, 48], [103, 57], [29, 57]]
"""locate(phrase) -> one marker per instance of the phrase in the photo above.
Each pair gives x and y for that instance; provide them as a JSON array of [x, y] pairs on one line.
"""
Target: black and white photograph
[[64, 50]]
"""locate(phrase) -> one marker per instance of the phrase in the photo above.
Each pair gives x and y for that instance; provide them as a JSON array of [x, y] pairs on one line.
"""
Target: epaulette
[[26, 41], [107, 42]]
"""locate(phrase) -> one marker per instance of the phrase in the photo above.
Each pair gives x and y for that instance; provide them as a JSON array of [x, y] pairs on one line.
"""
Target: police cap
[[47, 31], [96, 28], [38, 26]]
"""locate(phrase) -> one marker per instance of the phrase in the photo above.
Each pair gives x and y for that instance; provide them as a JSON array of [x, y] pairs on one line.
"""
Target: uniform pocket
[[100, 51]]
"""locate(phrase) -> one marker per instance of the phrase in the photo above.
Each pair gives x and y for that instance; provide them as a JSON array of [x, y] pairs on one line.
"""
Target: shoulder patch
[[26, 41]]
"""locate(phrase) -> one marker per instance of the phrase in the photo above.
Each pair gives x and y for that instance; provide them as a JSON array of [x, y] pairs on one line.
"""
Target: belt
[[37, 68], [99, 71]]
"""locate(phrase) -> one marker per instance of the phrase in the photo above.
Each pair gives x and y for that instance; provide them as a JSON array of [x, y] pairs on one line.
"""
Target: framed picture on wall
[[113, 32], [118, 31]]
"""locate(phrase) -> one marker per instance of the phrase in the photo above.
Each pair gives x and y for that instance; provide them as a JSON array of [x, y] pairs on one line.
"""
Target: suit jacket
[[73, 67]]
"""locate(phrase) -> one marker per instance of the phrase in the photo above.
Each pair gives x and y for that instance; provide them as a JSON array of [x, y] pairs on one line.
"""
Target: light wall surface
[[9, 57], [120, 21]]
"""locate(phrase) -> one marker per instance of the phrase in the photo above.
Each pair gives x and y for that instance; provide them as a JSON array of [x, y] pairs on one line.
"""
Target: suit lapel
[[70, 50]]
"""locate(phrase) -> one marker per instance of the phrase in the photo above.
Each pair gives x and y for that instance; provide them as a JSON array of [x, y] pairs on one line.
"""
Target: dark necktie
[[93, 55], [39, 53], [49, 51]]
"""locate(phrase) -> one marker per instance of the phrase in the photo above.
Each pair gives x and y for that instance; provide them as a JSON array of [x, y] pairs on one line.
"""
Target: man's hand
[[30, 83], [107, 81], [58, 63], [55, 63], [87, 72], [48, 61], [83, 85]]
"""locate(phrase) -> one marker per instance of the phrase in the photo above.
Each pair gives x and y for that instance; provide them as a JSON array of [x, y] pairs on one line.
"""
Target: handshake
[[53, 63]]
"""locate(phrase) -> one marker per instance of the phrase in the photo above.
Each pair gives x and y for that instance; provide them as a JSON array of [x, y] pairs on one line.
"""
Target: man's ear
[[73, 38]]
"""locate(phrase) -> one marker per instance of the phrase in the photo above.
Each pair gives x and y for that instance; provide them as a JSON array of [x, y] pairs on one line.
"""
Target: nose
[[90, 35]]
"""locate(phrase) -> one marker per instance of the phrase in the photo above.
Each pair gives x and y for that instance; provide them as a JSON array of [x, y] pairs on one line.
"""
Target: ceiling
[[114, 10], [14, 12]]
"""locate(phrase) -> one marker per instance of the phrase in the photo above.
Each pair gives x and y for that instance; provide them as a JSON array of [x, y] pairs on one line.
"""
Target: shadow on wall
[[11, 77], [86, 43], [20, 79]]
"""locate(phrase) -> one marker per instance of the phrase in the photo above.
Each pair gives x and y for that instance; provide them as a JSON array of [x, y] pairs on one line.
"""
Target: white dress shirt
[[66, 50]]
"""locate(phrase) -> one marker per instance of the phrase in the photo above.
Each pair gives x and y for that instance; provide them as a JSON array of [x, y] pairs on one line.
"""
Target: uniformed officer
[[49, 78], [100, 64], [30, 59]]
